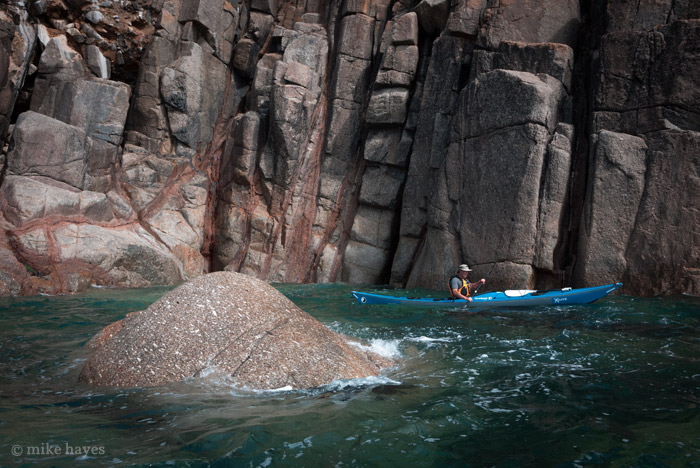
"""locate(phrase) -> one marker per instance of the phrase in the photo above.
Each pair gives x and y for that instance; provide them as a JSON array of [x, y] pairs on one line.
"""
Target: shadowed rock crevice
[[259, 335]]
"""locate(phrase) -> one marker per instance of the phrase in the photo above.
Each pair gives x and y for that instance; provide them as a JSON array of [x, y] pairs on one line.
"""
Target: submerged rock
[[227, 323]]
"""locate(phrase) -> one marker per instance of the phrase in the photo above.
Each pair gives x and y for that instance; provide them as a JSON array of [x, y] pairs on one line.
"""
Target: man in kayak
[[460, 288]]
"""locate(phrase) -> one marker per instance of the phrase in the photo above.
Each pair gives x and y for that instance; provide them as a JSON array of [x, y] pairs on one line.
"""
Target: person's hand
[[482, 281], [469, 299]]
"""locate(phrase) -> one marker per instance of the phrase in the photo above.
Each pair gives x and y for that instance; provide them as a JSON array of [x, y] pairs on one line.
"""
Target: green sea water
[[614, 383]]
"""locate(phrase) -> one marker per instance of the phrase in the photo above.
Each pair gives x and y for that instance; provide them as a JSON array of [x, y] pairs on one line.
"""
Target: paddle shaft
[[487, 275]]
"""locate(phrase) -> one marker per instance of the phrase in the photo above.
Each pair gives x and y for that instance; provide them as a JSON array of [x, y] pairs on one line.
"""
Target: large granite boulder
[[70, 256], [97, 106], [555, 60], [230, 324], [30, 198], [191, 89], [43, 146]]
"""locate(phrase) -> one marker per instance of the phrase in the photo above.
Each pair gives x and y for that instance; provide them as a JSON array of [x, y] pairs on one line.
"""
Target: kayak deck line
[[509, 298]]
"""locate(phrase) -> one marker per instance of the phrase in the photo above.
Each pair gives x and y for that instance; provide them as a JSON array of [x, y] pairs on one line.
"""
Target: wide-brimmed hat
[[464, 267]]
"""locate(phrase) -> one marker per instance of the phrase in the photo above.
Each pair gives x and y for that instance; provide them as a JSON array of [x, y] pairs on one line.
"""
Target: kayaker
[[460, 288]]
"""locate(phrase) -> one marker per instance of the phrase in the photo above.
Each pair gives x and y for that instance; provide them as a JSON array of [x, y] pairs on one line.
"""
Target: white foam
[[207, 371], [211, 378], [385, 348], [301, 444], [286, 388], [425, 339], [335, 386], [242, 390], [343, 384]]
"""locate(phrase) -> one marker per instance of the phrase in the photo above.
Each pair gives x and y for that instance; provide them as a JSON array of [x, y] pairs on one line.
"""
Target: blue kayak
[[509, 298]]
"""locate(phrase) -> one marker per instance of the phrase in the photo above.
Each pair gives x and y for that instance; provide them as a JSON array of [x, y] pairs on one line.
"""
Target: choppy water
[[615, 383]]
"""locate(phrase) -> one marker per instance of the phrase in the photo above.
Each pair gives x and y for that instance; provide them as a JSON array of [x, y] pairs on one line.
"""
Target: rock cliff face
[[374, 141]]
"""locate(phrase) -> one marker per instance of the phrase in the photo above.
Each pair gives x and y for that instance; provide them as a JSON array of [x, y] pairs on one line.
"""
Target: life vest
[[464, 290]]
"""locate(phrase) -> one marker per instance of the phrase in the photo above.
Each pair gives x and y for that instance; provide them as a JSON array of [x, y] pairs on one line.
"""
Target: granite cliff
[[375, 141]]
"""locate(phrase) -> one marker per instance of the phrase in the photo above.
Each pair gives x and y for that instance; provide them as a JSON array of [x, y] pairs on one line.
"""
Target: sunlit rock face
[[380, 141], [228, 324]]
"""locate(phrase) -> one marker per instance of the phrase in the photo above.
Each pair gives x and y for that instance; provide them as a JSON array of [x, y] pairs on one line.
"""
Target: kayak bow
[[509, 298]]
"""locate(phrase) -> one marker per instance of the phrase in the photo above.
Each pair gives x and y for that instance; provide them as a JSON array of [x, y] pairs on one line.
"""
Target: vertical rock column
[[342, 164], [645, 157], [616, 187], [497, 194], [490, 202], [184, 91], [439, 100], [369, 252], [270, 171], [17, 40]]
